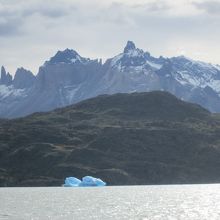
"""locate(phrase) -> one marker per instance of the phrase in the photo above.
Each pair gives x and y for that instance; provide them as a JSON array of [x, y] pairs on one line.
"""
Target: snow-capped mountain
[[68, 78]]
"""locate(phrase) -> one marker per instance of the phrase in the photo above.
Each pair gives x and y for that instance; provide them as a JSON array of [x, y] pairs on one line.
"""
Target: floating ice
[[92, 181], [86, 181], [72, 181]]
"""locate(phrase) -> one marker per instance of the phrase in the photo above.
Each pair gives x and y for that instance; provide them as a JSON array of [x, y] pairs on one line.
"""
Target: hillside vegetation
[[139, 138]]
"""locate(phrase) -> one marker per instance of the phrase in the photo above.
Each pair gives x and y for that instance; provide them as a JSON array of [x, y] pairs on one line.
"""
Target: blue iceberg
[[71, 182], [86, 182], [92, 181]]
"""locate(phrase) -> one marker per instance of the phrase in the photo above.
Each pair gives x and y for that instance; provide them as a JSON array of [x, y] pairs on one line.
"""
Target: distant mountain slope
[[139, 138], [68, 78]]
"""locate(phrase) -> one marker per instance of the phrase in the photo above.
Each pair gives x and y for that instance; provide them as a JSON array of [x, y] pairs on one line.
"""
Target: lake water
[[187, 202]]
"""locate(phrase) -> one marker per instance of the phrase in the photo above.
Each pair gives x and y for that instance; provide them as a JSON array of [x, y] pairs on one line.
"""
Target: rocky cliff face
[[23, 79], [68, 78], [6, 79]]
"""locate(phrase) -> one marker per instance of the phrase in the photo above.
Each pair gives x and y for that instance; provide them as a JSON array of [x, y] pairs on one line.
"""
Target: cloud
[[50, 13], [52, 10], [14, 15], [99, 29], [9, 27], [154, 6], [210, 7], [158, 6]]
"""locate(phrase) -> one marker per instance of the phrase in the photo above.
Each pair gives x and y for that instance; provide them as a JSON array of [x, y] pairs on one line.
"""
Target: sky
[[31, 31]]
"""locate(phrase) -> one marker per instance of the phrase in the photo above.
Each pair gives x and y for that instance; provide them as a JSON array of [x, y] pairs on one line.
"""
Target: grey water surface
[[125, 202]]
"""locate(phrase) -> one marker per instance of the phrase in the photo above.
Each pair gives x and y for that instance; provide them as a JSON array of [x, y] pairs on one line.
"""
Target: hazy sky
[[31, 31]]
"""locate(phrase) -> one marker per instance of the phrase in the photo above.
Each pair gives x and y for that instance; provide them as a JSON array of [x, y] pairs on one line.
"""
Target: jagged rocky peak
[[131, 50], [23, 78], [3, 72], [6, 79], [131, 57], [9, 77], [67, 56], [129, 46]]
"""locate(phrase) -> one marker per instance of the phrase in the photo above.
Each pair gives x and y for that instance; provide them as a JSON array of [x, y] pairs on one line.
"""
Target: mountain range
[[138, 138], [68, 78]]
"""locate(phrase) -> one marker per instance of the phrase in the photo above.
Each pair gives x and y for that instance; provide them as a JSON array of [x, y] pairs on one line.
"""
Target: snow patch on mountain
[[71, 92], [67, 56], [6, 91], [154, 65], [215, 85], [116, 60], [135, 53]]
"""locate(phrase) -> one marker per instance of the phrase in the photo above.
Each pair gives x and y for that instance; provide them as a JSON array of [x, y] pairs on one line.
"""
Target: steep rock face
[[15, 94], [6, 79], [23, 79], [66, 68], [67, 78]]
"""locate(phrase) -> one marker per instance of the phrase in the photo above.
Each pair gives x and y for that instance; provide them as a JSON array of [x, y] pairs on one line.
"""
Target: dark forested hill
[[139, 138]]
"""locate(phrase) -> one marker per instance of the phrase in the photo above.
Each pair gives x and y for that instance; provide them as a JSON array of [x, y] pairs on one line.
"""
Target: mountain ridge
[[67, 78]]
